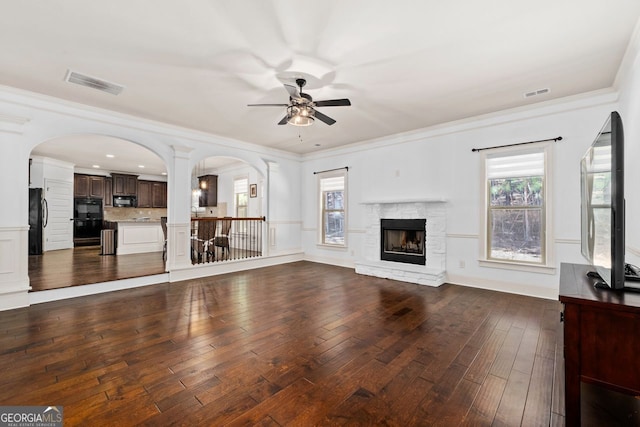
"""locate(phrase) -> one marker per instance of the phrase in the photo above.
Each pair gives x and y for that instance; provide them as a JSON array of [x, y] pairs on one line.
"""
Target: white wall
[[28, 119], [45, 168], [227, 176], [435, 162], [438, 162]]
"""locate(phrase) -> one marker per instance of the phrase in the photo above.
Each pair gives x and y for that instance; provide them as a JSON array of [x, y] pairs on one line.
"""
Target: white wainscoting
[[139, 237], [14, 267]]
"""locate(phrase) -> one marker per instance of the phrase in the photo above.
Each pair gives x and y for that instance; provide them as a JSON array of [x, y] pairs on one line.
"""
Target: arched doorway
[[226, 210], [78, 177]]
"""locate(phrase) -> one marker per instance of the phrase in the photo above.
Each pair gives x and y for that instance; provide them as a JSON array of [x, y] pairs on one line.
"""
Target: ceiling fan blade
[[267, 105], [284, 120], [293, 91], [333, 103], [328, 120]]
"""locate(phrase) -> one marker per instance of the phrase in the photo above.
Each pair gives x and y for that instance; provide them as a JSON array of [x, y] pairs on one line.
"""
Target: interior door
[[58, 215]]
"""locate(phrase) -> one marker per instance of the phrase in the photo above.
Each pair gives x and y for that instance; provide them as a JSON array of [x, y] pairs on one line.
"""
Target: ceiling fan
[[301, 109]]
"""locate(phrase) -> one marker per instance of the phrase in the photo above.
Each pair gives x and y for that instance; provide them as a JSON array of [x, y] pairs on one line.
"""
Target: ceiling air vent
[[536, 92], [93, 82]]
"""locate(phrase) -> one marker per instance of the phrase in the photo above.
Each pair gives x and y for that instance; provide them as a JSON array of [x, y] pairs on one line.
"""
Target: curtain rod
[[331, 170], [559, 138]]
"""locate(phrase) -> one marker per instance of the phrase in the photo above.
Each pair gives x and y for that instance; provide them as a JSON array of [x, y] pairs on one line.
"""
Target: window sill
[[531, 268], [332, 247]]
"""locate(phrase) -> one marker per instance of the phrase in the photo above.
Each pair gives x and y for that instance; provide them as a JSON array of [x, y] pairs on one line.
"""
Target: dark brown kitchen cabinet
[[96, 186], [144, 194], [159, 194], [88, 186], [208, 190], [108, 192], [152, 194], [80, 185], [124, 185]]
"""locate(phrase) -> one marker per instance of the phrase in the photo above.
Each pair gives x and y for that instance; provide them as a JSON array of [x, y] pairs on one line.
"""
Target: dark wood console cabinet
[[601, 338]]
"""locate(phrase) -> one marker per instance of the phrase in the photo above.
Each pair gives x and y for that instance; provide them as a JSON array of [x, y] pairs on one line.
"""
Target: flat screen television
[[603, 209]]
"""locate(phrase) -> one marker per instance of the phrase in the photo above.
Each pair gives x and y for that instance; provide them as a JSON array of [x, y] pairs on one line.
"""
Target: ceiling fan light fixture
[[301, 108], [300, 115]]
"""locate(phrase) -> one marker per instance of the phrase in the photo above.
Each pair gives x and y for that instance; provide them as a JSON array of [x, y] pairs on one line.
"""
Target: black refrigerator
[[37, 220]]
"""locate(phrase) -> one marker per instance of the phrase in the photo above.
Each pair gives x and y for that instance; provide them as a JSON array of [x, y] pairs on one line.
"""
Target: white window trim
[[548, 267], [235, 205], [239, 228], [322, 175]]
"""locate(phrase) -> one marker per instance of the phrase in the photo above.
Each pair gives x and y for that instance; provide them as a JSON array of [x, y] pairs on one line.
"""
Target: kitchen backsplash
[[210, 211], [122, 214]]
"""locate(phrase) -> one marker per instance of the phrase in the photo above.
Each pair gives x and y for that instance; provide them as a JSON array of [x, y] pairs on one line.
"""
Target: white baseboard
[[216, 268], [501, 286], [340, 262], [96, 288]]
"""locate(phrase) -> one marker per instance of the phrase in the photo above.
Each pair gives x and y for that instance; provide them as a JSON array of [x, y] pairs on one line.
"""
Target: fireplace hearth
[[403, 240]]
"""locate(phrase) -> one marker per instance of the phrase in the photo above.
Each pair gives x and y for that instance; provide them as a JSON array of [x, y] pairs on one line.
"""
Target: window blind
[[335, 183], [240, 186], [531, 164]]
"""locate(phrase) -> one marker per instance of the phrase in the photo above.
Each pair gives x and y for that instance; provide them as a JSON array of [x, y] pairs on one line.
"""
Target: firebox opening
[[403, 240]]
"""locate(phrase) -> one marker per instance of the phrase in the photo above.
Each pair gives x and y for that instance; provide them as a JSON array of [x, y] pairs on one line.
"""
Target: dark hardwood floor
[[298, 344], [85, 265]]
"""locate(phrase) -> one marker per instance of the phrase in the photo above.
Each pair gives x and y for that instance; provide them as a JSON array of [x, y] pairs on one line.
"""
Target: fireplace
[[431, 271], [403, 240]]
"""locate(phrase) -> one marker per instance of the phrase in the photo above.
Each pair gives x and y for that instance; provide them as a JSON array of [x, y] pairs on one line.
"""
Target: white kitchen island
[[135, 237]]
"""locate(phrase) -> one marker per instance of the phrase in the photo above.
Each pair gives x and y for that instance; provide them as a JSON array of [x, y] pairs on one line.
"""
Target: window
[[241, 198], [516, 204], [333, 200]]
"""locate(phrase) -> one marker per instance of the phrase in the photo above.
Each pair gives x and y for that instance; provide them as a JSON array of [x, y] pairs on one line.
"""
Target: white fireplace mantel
[[397, 201], [431, 208]]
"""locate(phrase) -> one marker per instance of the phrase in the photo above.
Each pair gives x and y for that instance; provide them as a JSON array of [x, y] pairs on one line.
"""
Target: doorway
[[58, 211]]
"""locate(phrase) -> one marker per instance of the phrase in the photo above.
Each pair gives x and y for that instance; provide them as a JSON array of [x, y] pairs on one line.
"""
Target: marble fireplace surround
[[434, 210]]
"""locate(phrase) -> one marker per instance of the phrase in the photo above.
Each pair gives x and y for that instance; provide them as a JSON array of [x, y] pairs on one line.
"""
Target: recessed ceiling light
[[111, 156], [141, 166], [96, 166], [164, 173]]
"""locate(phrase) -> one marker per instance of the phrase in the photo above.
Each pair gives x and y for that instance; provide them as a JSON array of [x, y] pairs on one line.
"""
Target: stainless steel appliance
[[38, 216], [125, 201], [87, 221]]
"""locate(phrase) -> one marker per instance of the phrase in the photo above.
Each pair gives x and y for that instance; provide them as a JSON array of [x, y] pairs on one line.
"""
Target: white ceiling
[[102, 153], [404, 64]]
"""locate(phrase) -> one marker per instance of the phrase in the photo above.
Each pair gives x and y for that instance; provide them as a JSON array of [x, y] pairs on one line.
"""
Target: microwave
[[125, 201]]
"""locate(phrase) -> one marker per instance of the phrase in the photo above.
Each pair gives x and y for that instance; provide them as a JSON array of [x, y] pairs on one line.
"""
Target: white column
[[14, 215], [269, 245], [179, 210]]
